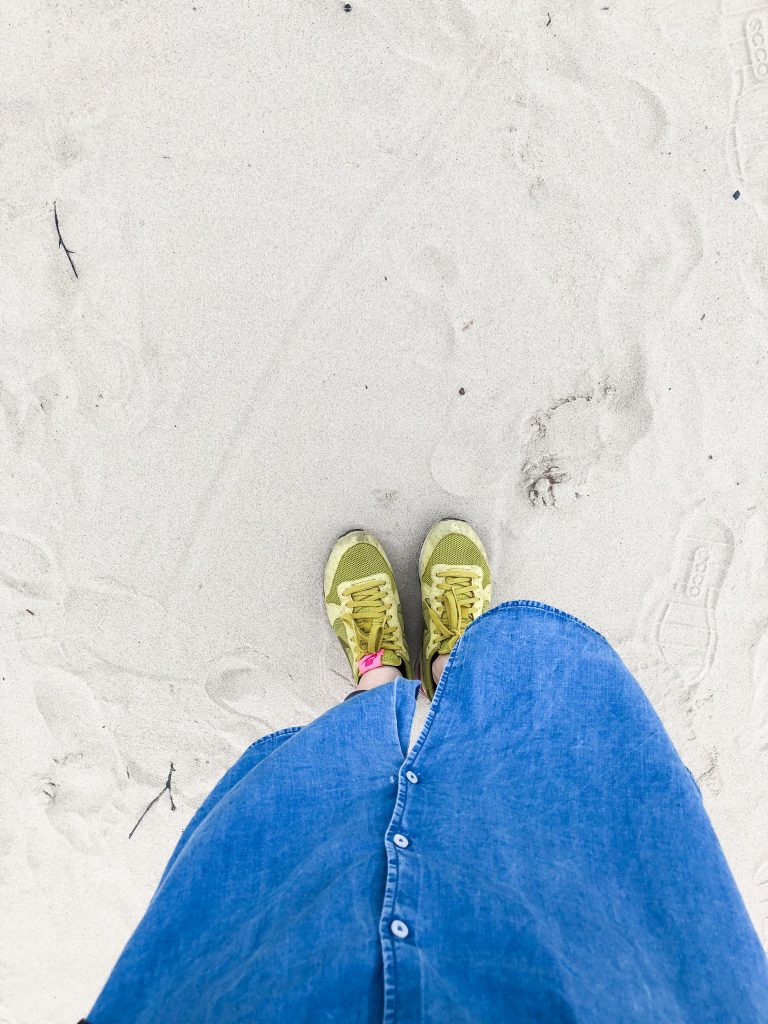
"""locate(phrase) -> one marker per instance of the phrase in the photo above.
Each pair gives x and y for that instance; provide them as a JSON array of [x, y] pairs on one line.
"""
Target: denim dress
[[541, 854]]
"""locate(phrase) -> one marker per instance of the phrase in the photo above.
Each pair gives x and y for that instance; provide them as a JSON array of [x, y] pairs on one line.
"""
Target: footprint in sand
[[126, 630], [745, 29], [26, 567], [86, 773], [649, 269], [753, 740], [686, 628], [633, 119], [431, 293], [632, 116], [602, 419], [469, 457], [562, 443], [246, 682]]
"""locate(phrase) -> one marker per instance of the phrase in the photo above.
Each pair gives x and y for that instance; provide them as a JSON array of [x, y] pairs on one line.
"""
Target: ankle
[[378, 676], [437, 667]]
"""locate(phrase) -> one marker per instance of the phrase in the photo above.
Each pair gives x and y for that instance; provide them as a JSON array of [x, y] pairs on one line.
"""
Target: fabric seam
[[271, 736]]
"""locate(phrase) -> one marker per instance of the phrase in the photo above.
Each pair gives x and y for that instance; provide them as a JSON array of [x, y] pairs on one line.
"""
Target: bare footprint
[[86, 773], [686, 629], [26, 566], [122, 629], [547, 484], [469, 456], [432, 294], [602, 419], [563, 442], [246, 682], [647, 274], [633, 118]]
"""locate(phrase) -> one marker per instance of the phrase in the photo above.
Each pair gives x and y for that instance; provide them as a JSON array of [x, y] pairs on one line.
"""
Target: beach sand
[[359, 268]]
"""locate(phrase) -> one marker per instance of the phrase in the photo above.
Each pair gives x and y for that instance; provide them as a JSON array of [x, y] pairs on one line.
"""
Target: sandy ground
[[359, 268]]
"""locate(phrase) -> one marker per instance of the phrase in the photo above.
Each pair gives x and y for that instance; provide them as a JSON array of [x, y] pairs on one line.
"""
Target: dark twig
[[61, 240], [166, 789]]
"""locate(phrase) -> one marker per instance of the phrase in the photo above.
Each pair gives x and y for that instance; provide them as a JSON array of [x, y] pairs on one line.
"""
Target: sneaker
[[455, 589], [363, 605]]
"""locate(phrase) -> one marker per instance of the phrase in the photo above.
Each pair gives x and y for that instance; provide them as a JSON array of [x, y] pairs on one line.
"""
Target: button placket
[[398, 927], [398, 922]]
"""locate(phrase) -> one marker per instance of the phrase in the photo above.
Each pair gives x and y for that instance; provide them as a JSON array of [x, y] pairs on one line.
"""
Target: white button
[[399, 928], [399, 840], [412, 777]]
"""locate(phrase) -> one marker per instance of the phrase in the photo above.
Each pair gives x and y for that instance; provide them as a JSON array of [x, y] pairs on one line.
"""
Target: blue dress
[[540, 855]]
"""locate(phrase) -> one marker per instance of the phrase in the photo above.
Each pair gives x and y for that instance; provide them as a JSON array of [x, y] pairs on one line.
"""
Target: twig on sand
[[166, 789], [61, 240]]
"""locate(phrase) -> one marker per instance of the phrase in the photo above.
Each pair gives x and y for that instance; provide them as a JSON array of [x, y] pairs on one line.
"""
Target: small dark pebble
[[347, 8], [462, 391], [709, 456], [736, 194]]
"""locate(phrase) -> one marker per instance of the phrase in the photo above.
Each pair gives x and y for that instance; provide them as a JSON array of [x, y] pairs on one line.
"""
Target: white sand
[[299, 232]]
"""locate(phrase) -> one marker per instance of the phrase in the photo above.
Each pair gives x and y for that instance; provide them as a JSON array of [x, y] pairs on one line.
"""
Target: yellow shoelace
[[370, 620], [457, 594]]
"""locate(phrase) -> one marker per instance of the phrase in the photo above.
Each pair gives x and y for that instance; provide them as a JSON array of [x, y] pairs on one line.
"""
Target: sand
[[359, 268]]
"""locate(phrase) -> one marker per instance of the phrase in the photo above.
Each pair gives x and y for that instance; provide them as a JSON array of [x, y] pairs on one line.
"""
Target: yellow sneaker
[[455, 589], [363, 605]]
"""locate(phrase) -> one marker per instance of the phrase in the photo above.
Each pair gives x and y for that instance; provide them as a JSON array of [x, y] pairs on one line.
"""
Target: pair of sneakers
[[363, 603]]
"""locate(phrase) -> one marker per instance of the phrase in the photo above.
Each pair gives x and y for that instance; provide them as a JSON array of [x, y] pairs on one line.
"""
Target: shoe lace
[[457, 595], [368, 616]]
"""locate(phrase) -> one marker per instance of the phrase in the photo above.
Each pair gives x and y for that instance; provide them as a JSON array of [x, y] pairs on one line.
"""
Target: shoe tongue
[[390, 658], [447, 645], [387, 657]]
